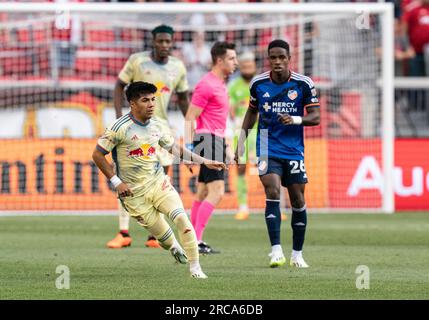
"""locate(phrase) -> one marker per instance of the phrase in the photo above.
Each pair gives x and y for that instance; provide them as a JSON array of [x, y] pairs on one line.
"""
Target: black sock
[[273, 220], [124, 233], [298, 223]]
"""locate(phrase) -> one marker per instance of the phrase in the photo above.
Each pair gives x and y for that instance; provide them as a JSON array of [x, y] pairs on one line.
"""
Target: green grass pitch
[[394, 247]]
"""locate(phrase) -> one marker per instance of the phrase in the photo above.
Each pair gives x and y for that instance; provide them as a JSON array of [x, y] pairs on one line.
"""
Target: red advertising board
[[412, 174], [355, 173]]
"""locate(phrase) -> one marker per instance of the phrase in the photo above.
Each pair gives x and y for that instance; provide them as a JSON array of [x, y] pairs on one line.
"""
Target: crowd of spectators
[[411, 40]]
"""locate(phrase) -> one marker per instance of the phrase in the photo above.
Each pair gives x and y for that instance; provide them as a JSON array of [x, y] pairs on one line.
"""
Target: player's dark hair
[[163, 28], [219, 50], [135, 90], [279, 44]]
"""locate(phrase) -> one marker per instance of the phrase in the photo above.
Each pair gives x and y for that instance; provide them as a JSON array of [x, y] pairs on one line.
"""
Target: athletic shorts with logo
[[290, 171]]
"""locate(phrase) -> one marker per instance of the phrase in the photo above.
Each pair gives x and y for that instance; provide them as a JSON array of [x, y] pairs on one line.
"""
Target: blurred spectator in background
[[404, 52], [197, 57], [67, 36], [416, 19], [200, 20]]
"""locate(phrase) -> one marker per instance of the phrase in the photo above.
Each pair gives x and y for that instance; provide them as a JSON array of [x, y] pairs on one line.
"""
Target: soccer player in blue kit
[[279, 97]]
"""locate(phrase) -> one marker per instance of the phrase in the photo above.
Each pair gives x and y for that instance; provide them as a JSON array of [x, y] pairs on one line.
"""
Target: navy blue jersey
[[271, 99]]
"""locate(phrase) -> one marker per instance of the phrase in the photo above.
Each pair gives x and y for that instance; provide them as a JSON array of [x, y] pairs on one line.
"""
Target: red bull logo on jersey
[[146, 151], [165, 89], [162, 88]]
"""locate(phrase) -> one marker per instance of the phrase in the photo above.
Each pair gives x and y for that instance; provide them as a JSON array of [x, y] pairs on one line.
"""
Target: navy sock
[[273, 220], [298, 223]]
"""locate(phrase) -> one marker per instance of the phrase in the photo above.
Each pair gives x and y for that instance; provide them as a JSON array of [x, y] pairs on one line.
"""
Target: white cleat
[[179, 255], [298, 262], [198, 273], [277, 259]]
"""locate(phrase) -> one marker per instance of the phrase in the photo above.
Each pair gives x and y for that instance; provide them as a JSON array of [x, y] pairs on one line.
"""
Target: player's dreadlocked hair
[[135, 90]]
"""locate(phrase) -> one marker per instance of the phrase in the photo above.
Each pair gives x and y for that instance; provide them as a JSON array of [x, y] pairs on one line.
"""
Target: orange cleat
[[242, 215], [152, 242], [283, 217], [119, 242]]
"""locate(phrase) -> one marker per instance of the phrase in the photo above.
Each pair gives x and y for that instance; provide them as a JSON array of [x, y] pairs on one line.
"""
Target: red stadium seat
[[32, 35], [114, 65], [99, 36], [16, 62]]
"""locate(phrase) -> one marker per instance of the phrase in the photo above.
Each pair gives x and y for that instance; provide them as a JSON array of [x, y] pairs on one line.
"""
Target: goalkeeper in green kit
[[239, 94]]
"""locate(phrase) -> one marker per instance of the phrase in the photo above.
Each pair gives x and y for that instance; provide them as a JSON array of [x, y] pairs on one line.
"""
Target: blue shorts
[[290, 171]]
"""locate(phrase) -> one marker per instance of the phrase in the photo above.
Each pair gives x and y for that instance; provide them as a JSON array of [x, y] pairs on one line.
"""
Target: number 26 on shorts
[[297, 166]]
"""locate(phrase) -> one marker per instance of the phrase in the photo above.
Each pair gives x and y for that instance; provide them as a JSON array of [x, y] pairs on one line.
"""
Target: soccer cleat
[[119, 242], [204, 248], [283, 217], [277, 259], [242, 215], [298, 262], [152, 242], [179, 255], [198, 273]]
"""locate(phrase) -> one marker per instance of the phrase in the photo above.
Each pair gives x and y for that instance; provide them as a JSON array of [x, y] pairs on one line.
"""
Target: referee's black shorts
[[211, 147]]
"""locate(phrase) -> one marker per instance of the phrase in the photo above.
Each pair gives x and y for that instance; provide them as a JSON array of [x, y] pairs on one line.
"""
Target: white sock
[[296, 254], [277, 249], [176, 244], [194, 266], [124, 219]]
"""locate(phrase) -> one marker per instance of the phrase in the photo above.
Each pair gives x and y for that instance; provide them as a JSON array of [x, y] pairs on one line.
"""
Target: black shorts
[[290, 171], [210, 147]]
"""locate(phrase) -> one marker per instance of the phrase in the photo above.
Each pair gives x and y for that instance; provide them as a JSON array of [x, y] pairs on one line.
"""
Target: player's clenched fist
[[288, 119], [123, 190]]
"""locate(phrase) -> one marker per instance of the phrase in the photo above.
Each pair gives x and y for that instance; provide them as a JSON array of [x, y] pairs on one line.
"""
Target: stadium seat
[[16, 62], [32, 35], [94, 33]]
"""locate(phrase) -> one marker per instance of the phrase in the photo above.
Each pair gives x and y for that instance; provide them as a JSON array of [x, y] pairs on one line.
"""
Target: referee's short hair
[[135, 90], [219, 50]]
